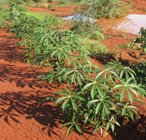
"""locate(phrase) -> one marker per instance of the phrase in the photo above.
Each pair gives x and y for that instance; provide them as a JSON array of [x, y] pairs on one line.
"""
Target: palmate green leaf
[[110, 102], [113, 127], [98, 108], [92, 102], [73, 78], [100, 91], [131, 115], [70, 129], [80, 98], [130, 97], [78, 128], [91, 68], [108, 72], [103, 114], [60, 79], [108, 126], [60, 100], [67, 124], [99, 75], [74, 105], [86, 117], [128, 72], [106, 108], [93, 91], [133, 90], [79, 80], [118, 86], [112, 124], [65, 105], [122, 94], [86, 87], [127, 87]]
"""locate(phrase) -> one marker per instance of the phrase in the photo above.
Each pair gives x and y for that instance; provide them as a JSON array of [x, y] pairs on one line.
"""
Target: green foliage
[[141, 40], [88, 29], [3, 15], [139, 69], [99, 101], [14, 1], [94, 97], [97, 49], [3, 24], [3, 11], [26, 27], [104, 8], [96, 35]]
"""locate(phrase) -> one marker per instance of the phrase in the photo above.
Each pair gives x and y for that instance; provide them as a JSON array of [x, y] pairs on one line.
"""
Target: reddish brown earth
[[139, 5], [58, 11]]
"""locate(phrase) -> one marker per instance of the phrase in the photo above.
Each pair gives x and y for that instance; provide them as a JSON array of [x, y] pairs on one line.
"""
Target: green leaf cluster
[[141, 40]]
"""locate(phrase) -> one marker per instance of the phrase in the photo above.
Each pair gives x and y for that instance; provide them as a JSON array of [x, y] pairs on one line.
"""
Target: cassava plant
[[139, 69], [26, 27], [141, 40], [94, 97]]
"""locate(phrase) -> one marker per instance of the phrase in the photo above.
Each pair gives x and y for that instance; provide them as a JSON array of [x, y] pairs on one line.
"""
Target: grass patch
[[39, 15]]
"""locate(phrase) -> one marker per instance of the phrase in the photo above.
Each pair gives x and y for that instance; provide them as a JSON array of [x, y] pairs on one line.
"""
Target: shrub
[[96, 48], [104, 8], [141, 40], [139, 69], [87, 29]]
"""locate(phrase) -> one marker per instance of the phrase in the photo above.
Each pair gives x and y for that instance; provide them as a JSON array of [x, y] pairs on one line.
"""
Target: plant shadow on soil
[[27, 96], [133, 130], [27, 104], [20, 92], [22, 76], [8, 49]]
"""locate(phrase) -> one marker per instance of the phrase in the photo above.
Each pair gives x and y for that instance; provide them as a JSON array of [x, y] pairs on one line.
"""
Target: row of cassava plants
[[94, 97]]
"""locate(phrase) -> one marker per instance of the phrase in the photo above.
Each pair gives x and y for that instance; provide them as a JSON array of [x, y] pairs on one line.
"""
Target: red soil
[[140, 5], [58, 11]]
